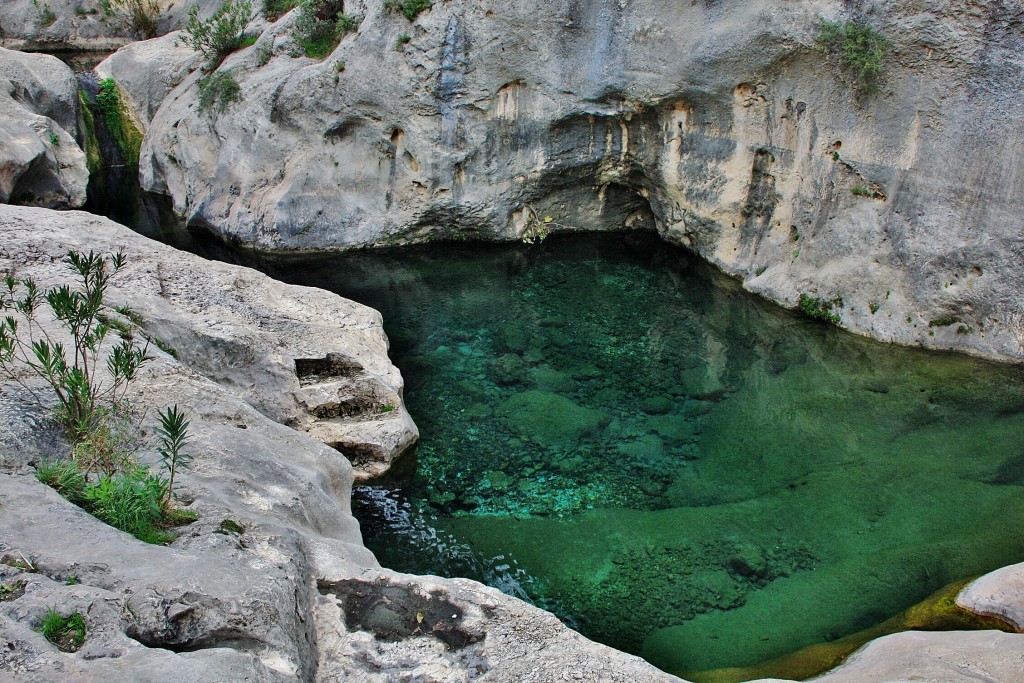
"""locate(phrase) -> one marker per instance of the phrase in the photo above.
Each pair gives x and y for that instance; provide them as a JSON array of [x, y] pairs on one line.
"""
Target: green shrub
[[402, 41], [859, 49], [46, 17], [221, 34], [84, 392], [67, 633], [321, 26], [943, 321], [217, 91], [142, 15], [173, 432], [273, 9], [821, 309], [410, 9]]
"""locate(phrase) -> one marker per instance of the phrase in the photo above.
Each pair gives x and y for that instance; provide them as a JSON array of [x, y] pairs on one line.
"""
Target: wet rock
[[656, 405]]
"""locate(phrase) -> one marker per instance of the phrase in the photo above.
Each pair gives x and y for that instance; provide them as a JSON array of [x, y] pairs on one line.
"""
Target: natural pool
[[617, 432]]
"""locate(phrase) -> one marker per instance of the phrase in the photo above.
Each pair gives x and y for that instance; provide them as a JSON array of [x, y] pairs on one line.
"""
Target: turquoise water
[[676, 468]]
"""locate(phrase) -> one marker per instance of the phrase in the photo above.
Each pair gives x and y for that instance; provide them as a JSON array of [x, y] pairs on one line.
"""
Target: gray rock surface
[[718, 123], [997, 594], [936, 657], [86, 24], [294, 595], [40, 162]]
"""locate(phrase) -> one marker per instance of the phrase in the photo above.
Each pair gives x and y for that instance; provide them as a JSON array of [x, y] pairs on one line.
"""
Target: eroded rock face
[[89, 24], [720, 124], [40, 162], [304, 357], [272, 582]]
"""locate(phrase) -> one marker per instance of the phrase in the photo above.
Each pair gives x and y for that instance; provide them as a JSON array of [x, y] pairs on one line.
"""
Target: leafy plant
[[173, 431], [859, 49], [217, 91], [67, 633], [54, 139], [821, 309], [75, 375], [273, 9], [321, 26], [873, 306], [402, 41], [141, 14], [410, 9], [221, 34]]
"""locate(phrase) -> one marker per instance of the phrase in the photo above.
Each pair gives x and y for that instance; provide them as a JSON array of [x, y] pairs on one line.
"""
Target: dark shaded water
[[620, 434]]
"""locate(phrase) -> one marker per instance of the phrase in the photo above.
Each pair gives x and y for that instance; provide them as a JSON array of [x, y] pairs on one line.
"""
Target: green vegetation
[[90, 383], [230, 526], [142, 15], [821, 309], [321, 26], [119, 123], [217, 91], [46, 17], [173, 432], [221, 34], [402, 41], [943, 321], [54, 139], [873, 306], [273, 9], [93, 157], [410, 9], [859, 50], [11, 590], [67, 633]]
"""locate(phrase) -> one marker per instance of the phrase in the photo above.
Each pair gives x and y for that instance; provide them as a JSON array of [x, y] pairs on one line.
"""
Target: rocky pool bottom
[[616, 432]]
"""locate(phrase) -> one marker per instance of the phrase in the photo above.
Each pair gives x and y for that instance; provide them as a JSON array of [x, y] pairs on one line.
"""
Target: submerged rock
[[549, 419]]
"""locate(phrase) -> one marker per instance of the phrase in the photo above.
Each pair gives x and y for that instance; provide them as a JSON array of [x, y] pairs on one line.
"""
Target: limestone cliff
[[720, 124]]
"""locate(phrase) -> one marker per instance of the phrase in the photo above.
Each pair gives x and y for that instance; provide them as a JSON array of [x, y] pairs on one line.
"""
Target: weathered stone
[[40, 162], [997, 594], [725, 128]]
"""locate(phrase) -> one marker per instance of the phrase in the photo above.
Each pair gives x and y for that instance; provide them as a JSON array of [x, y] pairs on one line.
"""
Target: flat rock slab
[[997, 594]]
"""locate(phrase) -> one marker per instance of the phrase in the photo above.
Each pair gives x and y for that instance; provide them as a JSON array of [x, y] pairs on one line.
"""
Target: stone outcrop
[[721, 124], [272, 582], [88, 24], [40, 162]]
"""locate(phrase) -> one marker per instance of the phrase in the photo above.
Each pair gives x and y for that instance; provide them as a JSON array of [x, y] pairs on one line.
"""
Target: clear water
[[621, 435]]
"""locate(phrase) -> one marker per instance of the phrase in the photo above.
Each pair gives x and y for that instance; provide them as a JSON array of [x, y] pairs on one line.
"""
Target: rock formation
[[272, 582], [721, 124], [40, 162]]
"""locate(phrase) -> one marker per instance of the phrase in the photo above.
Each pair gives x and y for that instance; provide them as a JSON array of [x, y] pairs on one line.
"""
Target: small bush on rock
[[859, 49], [217, 91], [273, 9], [142, 15], [410, 9], [321, 26], [221, 34]]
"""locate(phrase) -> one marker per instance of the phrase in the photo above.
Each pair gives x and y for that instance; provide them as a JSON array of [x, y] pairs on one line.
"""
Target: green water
[[674, 467]]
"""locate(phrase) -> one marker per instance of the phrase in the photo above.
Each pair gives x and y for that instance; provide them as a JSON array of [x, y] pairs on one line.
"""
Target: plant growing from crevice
[[220, 35], [46, 17], [321, 26], [859, 50], [410, 9], [67, 633], [217, 91], [821, 309], [86, 382], [173, 432], [274, 9], [141, 15]]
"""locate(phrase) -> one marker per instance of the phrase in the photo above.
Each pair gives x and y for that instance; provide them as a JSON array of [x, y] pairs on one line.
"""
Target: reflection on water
[[676, 468]]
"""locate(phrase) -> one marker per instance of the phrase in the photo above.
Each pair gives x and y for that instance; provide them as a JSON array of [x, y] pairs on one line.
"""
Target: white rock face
[[294, 596], [997, 594], [86, 24], [718, 123], [40, 162]]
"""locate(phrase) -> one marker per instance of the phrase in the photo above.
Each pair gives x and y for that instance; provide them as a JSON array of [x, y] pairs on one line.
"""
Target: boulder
[[40, 162]]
